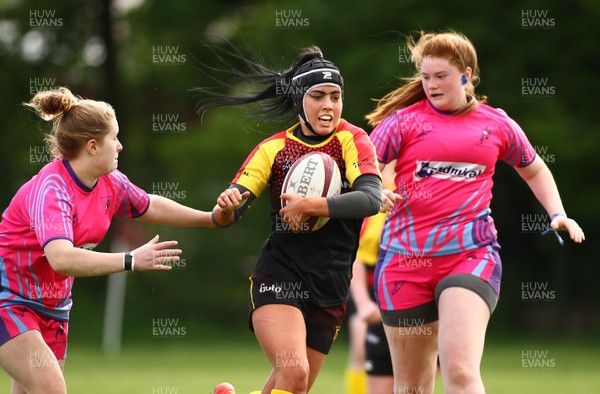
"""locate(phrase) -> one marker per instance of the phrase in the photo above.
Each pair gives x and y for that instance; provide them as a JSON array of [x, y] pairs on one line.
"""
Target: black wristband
[[127, 261]]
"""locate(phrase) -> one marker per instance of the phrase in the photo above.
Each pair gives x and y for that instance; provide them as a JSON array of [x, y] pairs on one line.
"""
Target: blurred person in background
[[369, 367]]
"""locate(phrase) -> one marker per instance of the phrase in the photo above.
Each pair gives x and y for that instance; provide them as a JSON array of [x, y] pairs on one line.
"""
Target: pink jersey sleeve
[[386, 137], [50, 206], [130, 200], [516, 149]]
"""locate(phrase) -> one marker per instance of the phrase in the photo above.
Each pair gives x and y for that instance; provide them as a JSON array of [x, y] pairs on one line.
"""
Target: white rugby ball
[[315, 174]]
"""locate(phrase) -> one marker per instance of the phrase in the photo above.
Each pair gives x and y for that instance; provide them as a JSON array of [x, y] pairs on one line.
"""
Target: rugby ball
[[315, 174], [224, 388]]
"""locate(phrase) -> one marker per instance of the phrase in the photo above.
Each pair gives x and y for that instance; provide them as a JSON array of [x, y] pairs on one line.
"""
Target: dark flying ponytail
[[273, 92]]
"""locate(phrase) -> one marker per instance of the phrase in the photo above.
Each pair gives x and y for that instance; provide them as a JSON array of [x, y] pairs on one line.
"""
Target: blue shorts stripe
[[20, 325], [382, 280], [479, 269]]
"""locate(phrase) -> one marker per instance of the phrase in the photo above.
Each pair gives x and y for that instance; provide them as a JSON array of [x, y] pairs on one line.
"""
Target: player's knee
[[295, 379], [413, 380], [45, 387], [47, 383], [414, 377], [56, 387], [458, 375]]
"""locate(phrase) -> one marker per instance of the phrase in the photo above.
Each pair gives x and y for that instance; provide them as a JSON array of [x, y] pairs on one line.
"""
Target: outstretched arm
[[540, 180], [69, 260], [168, 212]]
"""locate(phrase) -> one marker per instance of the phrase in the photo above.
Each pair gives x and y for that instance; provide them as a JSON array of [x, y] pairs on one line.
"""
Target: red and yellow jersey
[[270, 161], [370, 236], [321, 261]]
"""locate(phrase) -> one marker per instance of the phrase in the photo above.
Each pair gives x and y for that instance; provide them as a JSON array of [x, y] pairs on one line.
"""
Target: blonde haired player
[[49, 231]]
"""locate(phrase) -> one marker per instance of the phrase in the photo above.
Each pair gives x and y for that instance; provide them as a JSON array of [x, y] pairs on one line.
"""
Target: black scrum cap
[[312, 73]]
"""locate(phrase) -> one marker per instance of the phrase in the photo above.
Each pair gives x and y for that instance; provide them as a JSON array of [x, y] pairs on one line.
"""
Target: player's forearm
[[544, 188], [72, 261], [364, 200], [314, 206], [168, 212]]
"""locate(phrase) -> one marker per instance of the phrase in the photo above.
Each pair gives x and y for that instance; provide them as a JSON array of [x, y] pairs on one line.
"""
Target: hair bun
[[68, 101], [52, 103]]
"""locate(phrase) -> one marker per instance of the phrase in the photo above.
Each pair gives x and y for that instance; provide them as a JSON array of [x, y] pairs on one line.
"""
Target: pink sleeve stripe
[[50, 209], [386, 139], [132, 201]]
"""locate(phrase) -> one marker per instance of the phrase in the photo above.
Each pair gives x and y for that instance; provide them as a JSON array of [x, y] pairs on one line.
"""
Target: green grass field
[[180, 367]]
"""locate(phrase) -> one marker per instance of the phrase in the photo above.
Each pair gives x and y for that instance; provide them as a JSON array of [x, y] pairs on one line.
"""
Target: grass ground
[[180, 367]]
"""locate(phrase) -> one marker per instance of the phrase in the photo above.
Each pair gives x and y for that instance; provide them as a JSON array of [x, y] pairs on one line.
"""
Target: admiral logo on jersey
[[447, 170]]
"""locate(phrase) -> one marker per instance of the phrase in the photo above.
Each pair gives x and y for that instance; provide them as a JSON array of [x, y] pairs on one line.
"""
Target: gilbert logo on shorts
[[452, 171]]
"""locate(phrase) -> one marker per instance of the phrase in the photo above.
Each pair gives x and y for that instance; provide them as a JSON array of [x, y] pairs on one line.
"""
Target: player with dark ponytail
[[279, 94], [300, 285]]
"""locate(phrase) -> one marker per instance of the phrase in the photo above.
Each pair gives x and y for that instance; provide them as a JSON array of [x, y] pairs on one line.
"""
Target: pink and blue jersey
[[444, 171], [55, 204]]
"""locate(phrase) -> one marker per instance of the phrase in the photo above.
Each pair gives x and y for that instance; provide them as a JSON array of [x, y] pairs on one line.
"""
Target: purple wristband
[[557, 214]]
